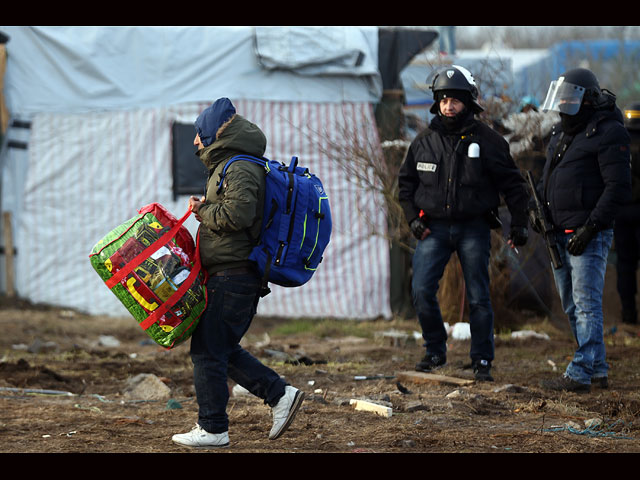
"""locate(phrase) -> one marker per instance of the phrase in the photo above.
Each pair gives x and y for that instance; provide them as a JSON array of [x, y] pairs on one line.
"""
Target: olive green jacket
[[231, 219]]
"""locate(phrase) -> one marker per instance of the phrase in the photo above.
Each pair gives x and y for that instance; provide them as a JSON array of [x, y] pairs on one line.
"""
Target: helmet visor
[[563, 97]]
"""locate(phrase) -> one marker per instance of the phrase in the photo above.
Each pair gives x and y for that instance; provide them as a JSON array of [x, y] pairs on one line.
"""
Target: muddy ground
[[511, 414]]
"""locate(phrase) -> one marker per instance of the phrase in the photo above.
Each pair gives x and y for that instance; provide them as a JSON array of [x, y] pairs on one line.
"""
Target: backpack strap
[[258, 161], [263, 162]]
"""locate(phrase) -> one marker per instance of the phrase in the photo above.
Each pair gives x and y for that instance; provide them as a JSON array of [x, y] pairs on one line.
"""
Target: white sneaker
[[285, 411], [200, 438]]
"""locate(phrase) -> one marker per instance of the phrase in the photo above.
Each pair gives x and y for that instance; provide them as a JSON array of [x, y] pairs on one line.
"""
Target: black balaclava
[[454, 123], [572, 124]]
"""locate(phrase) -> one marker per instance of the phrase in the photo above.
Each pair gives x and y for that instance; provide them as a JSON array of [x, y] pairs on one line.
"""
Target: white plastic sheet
[[80, 69], [102, 101], [89, 173]]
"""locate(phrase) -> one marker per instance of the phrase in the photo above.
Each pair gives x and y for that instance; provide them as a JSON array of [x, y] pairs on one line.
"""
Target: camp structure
[[101, 124]]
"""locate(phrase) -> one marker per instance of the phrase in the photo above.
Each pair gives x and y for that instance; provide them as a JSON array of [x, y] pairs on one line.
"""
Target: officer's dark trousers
[[627, 244], [472, 242]]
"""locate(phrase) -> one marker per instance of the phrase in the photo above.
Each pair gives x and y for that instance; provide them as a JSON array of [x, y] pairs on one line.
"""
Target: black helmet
[[455, 77], [572, 88], [583, 77], [632, 116]]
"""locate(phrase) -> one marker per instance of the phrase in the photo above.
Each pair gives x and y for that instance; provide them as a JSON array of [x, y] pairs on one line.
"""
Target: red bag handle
[[178, 294], [146, 253]]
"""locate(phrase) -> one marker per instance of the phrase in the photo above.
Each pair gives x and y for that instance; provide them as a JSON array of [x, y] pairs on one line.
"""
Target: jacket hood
[[239, 136], [612, 113]]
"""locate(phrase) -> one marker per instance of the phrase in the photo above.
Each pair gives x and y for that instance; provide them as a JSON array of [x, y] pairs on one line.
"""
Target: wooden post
[[8, 253], [423, 377]]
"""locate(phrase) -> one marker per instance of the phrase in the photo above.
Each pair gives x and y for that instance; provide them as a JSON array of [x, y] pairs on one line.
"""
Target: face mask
[[572, 124], [455, 123]]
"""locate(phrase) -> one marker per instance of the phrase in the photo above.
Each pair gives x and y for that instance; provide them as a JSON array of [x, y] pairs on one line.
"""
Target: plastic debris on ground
[[525, 334], [593, 430], [461, 331]]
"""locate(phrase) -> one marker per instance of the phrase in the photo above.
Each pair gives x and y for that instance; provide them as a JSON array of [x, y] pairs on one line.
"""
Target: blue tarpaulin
[[606, 58]]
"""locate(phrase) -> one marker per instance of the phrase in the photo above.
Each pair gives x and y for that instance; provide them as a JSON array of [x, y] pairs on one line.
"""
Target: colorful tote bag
[[151, 263]]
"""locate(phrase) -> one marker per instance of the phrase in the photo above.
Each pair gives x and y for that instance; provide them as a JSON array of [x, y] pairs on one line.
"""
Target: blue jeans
[[580, 284], [216, 353], [472, 242]]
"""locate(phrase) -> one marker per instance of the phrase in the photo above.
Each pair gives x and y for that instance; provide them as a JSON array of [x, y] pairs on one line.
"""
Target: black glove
[[535, 223], [419, 229], [518, 236], [579, 241]]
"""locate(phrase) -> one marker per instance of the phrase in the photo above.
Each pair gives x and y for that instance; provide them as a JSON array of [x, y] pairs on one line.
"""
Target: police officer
[[626, 231], [585, 180], [449, 188]]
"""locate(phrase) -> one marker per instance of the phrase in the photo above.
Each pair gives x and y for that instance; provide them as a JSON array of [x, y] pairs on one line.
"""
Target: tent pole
[[8, 253]]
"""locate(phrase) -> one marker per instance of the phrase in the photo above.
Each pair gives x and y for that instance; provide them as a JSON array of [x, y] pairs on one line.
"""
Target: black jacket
[[439, 178], [592, 179], [630, 213]]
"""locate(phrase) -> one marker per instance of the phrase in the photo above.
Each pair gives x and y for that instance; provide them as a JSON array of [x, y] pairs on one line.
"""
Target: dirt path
[[512, 414]]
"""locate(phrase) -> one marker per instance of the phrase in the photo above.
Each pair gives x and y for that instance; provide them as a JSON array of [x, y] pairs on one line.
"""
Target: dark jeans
[[472, 242], [217, 355]]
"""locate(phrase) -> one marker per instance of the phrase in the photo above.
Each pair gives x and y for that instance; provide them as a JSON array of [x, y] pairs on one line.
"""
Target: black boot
[[430, 362], [566, 384], [482, 371], [600, 382]]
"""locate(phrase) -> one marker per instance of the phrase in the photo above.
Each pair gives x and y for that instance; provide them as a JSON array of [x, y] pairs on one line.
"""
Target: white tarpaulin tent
[[101, 102]]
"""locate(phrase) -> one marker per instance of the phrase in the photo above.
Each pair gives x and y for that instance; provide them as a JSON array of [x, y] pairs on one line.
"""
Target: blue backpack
[[296, 224]]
